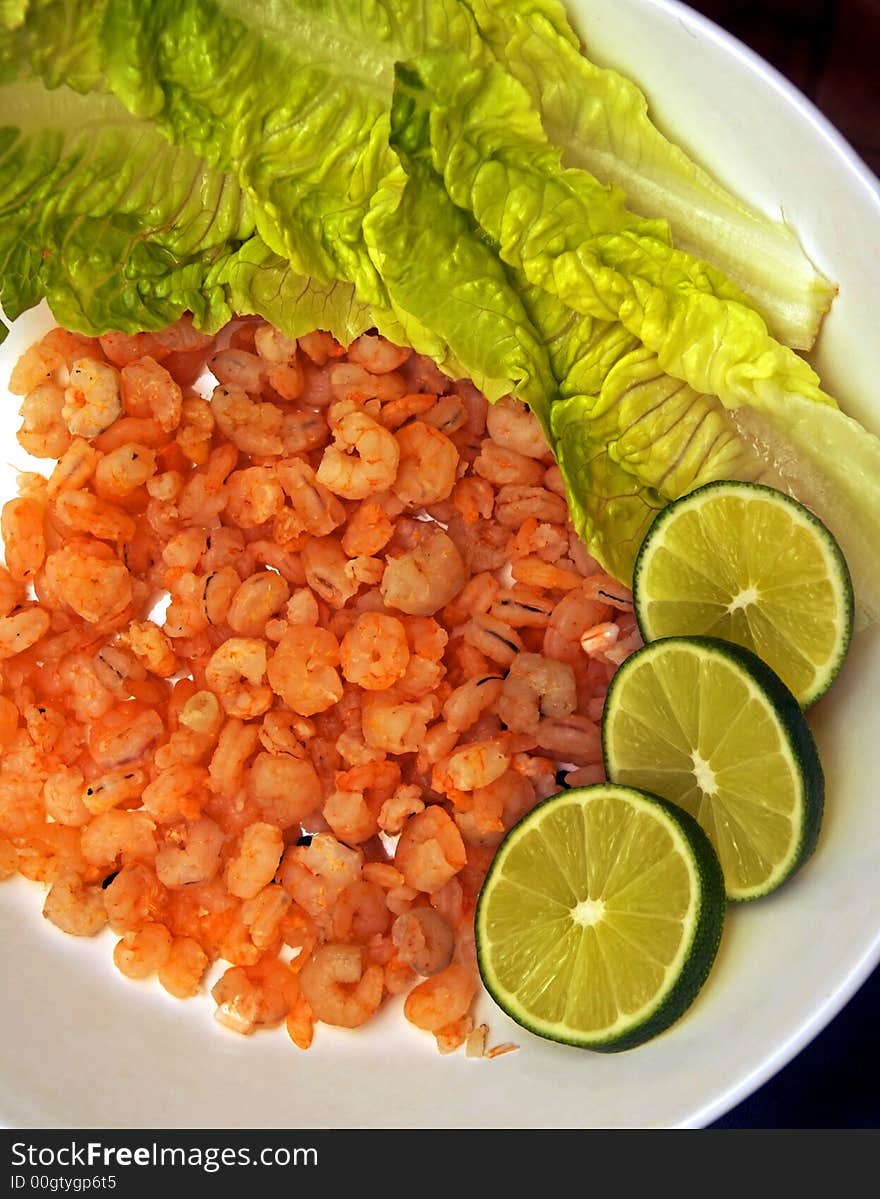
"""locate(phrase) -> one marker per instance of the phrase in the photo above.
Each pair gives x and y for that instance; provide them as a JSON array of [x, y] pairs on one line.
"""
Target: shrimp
[[427, 468], [43, 431], [273, 346], [361, 915], [493, 638], [148, 390], [183, 969], [249, 997], [235, 744], [235, 674], [515, 504], [83, 512], [597, 640], [441, 999], [175, 794], [394, 724], [132, 897], [424, 940], [91, 400], [22, 629], [503, 467], [374, 652], [151, 647], [256, 601], [398, 411], [512, 425], [39, 364], [426, 578], [219, 591], [549, 542], [523, 608], [254, 496], [95, 586], [24, 538], [238, 368], [264, 914], [476, 764], [430, 851], [197, 422], [572, 615], [497, 807], [483, 544], [253, 427], [340, 987], [328, 571], [74, 907], [143, 951], [319, 347], [574, 739], [287, 788], [303, 430], [303, 670], [318, 511], [315, 875], [535, 572], [124, 735], [363, 458], [352, 808], [63, 797], [119, 836], [536, 687], [190, 853], [122, 348], [123, 470], [257, 860], [376, 354], [74, 467], [474, 498], [368, 530], [113, 790], [350, 383]]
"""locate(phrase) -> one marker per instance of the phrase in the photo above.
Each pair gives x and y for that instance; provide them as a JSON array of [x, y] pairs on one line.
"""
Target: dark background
[[831, 50]]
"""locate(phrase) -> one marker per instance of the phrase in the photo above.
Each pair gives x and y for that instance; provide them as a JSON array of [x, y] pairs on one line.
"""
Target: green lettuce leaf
[[600, 121], [646, 439], [573, 238], [451, 293], [96, 207], [292, 99], [118, 229]]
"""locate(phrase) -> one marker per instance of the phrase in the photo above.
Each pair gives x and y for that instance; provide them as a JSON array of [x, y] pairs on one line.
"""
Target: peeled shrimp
[[340, 986], [363, 459]]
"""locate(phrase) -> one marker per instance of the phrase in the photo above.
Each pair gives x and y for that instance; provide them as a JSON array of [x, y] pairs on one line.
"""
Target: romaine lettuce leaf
[[291, 98], [573, 238], [600, 121], [118, 229], [96, 207], [446, 286], [629, 439]]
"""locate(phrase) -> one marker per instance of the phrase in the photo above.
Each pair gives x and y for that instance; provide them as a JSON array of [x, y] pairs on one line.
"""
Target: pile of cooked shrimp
[[291, 635]]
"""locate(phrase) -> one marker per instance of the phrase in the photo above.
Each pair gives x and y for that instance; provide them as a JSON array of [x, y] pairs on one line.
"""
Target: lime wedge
[[748, 564], [710, 727], [600, 917]]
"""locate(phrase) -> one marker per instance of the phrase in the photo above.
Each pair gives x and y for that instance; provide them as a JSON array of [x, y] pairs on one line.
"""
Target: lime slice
[[709, 726], [600, 917], [748, 564]]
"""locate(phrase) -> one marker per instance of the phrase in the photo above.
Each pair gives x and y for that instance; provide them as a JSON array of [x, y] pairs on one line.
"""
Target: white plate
[[84, 1047]]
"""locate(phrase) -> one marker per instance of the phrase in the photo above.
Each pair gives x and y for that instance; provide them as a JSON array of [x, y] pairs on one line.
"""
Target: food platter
[[84, 1047]]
